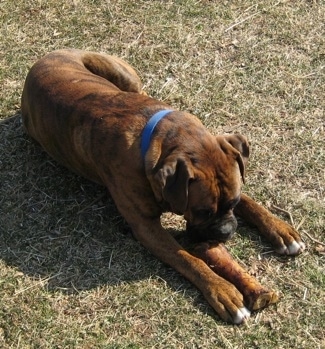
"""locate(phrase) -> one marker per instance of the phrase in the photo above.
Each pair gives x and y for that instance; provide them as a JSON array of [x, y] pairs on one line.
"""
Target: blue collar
[[149, 128]]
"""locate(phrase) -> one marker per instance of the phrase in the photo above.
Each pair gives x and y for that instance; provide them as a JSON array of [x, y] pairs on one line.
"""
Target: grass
[[71, 275]]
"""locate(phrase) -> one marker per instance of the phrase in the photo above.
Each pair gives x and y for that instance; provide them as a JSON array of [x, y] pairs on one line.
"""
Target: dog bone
[[222, 263]]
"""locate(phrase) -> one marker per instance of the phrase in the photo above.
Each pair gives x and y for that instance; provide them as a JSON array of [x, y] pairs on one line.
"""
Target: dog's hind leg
[[113, 69]]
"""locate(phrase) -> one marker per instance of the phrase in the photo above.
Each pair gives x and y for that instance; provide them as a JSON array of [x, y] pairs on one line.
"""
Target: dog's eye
[[230, 205], [204, 214], [233, 203]]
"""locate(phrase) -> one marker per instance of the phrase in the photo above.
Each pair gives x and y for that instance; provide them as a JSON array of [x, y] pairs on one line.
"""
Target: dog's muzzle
[[218, 229]]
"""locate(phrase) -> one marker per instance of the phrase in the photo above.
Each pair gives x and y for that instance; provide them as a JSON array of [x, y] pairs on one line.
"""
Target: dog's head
[[205, 186]]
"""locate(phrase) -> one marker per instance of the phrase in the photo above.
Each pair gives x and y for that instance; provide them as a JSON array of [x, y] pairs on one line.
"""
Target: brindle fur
[[88, 111]]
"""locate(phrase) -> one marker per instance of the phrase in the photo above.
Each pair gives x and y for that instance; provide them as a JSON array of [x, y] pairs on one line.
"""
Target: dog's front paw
[[292, 248], [228, 303], [285, 239]]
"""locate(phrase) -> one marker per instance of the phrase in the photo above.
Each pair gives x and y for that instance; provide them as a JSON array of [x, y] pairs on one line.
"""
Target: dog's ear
[[174, 178], [240, 143]]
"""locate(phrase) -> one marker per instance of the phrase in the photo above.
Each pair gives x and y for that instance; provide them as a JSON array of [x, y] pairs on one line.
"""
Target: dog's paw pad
[[264, 299], [242, 315]]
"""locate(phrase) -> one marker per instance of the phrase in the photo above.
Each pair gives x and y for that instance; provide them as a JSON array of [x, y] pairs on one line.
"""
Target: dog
[[89, 112]]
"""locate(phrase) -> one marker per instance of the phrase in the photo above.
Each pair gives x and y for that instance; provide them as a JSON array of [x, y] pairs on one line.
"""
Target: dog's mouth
[[219, 230]]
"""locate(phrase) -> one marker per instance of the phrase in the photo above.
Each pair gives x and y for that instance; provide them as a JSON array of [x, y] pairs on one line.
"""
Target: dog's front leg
[[284, 238], [223, 296]]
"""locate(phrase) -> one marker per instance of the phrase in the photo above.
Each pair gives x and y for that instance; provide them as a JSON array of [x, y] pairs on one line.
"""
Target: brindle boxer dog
[[88, 111]]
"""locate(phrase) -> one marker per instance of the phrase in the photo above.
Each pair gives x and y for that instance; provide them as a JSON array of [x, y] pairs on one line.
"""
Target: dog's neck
[[149, 129]]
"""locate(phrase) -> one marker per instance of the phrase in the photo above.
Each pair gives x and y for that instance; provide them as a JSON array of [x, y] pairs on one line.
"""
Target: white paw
[[242, 315], [296, 247], [292, 249]]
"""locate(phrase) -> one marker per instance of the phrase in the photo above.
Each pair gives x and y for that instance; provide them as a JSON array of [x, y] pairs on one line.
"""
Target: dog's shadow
[[63, 229], [60, 227]]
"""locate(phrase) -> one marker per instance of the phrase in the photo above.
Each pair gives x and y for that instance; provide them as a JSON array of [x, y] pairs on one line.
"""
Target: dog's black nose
[[220, 230]]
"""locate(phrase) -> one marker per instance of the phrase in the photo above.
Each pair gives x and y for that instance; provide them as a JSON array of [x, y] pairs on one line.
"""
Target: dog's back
[[73, 99]]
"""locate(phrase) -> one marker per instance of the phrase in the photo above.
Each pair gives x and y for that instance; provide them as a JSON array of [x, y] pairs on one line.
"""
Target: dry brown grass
[[71, 276]]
